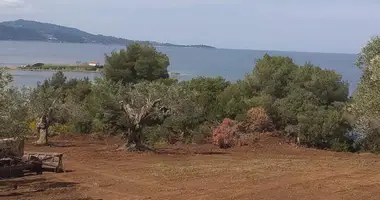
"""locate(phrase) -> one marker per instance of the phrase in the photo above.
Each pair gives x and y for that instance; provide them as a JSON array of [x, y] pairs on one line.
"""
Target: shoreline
[[49, 70], [172, 74], [54, 67]]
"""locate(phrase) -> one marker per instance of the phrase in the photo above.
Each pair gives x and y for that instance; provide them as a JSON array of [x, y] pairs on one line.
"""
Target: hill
[[24, 30]]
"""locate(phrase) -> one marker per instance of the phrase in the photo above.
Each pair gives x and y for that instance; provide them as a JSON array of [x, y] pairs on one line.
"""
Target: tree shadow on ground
[[25, 186], [61, 144], [180, 151]]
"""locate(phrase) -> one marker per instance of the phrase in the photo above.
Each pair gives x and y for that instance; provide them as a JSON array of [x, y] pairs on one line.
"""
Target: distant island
[[25, 30]]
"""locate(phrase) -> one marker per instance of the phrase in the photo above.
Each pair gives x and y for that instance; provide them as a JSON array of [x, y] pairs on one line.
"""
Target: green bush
[[59, 128], [136, 63], [299, 99], [319, 126], [84, 127], [206, 92]]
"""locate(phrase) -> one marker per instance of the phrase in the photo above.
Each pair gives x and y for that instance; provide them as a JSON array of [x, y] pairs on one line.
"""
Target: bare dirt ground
[[270, 169]]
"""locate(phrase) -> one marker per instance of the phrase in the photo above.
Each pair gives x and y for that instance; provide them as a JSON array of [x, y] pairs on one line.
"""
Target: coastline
[[49, 70], [154, 44], [14, 68], [55, 67]]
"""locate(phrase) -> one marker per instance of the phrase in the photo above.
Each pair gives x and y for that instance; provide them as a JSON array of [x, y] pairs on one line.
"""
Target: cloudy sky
[[298, 25]]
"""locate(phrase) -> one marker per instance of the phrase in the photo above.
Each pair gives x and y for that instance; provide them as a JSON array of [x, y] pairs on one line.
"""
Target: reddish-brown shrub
[[231, 133], [257, 120], [225, 134]]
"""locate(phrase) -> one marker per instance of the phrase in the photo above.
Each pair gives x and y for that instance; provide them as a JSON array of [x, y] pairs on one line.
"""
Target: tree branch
[[147, 109], [144, 113]]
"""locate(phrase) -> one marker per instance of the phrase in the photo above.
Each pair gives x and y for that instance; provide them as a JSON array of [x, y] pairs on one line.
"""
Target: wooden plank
[[50, 160]]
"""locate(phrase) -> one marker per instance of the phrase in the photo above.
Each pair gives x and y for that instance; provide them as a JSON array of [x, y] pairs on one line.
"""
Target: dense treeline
[[136, 98]]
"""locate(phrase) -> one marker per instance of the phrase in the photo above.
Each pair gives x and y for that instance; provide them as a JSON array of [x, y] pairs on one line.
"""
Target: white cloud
[[15, 7], [11, 4]]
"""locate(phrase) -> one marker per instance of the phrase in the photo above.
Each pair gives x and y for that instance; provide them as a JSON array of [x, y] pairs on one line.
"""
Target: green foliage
[[46, 95], [108, 113], [368, 52], [58, 80], [5, 80], [272, 75], [13, 108], [82, 126], [104, 106], [136, 63], [69, 100], [286, 110], [234, 101], [322, 128], [327, 85], [305, 102], [365, 107], [371, 141], [367, 94], [206, 92], [185, 114], [292, 94]]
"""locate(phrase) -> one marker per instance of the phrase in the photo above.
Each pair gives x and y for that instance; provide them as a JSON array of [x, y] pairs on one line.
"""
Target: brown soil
[[269, 169]]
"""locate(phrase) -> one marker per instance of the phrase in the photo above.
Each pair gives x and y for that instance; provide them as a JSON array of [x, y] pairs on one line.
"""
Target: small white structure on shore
[[93, 64]]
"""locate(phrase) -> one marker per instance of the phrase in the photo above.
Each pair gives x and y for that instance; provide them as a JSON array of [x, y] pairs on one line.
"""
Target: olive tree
[[150, 104], [368, 52], [44, 101], [13, 108], [365, 107]]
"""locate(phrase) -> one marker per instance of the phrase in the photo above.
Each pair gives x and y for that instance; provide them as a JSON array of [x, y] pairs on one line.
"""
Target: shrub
[[342, 146], [84, 126], [136, 63], [206, 90], [257, 120], [233, 101], [225, 134], [322, 127], [32, 125], [202, 134], [371, 141], [60, 128], [38, 65]]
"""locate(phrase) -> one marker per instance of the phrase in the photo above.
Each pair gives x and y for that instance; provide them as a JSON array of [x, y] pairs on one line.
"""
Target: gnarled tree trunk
[[43, 138], [43, 128], [134, 142], [138, 117]]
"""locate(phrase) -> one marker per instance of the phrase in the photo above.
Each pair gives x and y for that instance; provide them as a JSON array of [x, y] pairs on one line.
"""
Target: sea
[[231, 64]]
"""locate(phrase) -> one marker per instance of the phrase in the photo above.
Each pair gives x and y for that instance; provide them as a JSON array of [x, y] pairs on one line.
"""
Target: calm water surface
[[231, 64]]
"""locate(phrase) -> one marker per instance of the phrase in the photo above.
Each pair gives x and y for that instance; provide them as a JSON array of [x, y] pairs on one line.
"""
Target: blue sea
[[190, 62]]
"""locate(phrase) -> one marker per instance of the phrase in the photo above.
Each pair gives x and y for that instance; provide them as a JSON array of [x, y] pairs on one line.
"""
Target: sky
[[340, 26]]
